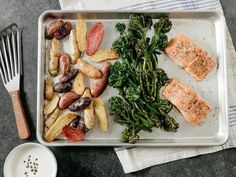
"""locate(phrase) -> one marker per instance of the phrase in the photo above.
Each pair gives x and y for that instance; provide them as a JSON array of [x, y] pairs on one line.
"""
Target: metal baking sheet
[[206, 28]]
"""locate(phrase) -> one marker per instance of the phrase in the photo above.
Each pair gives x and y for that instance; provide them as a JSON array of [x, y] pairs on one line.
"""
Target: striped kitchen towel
[[134, 159]]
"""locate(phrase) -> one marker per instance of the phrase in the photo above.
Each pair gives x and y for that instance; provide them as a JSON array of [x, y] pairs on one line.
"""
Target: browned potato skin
[[88, 70], [48, 93], [53, 28], [101, 84], [62, 87], [66, 99], [68, 77], [65, 64]]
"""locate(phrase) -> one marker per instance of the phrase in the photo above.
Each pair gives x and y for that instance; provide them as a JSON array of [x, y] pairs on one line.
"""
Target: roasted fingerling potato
[[94, 38], [103, 55], [54, 27], [52, 105], [101, 84], [100, 113], [81, 30], [80, 104], [74, 46], [55, 53], [88, 70], [65, 64], [68, 77], [48, 92], [62, 87], [67, 98], [79, 84], [52, 118], [89, 117], [56, 128]]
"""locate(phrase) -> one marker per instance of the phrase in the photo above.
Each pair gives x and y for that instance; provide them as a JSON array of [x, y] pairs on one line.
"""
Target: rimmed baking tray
[[206, 28]]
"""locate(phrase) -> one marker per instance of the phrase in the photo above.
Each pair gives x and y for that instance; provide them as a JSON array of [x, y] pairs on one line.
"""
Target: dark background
[[89, 161]]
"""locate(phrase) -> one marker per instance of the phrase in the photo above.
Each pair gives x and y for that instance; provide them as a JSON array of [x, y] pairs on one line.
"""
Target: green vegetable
[[130, 134], [120, 27], [139, 79], [132, 93], [118, 74]]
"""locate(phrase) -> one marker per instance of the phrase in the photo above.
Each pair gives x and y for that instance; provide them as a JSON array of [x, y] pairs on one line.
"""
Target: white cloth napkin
[[134, 159]]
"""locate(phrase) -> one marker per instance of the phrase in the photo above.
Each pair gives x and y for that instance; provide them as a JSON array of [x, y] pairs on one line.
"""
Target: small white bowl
[[42, 160]]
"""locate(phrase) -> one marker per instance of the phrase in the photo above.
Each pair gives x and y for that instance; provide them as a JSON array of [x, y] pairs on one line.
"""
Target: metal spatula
[[10, 71]]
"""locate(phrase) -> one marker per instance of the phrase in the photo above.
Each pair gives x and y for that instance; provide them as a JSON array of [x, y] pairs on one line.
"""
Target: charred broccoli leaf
[[130, 135]]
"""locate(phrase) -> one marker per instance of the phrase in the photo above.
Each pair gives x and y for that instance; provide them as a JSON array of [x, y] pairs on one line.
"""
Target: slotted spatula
[[10, 71]]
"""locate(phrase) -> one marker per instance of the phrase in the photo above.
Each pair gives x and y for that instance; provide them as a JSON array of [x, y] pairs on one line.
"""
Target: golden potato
[[81, 30], [48, 92], [89, 117], [52, 118], [88, 70], [102, 55], [52, 105], [56, 128], [79, 84], [74, 46], [55, 53], [100, 113]]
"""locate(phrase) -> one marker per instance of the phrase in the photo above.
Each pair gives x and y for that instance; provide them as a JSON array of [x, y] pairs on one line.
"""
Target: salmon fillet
[[187, 101], [189, 56], [198, 112], [180, 95]]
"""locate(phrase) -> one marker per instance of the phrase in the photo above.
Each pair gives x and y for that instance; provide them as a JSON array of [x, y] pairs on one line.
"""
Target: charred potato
[[48, 93], [75, 122], [101, 84], [66, 99], [62, 87], [51, 106], [74, 44], [68, 77], [102, 55], [78, 84], [80, 104], [52, 118], [55, 53], [88, 70], [64, 31], [54, 27], [89, 117], [58, 29], [100, 113], [82, 125], [65, 64], [56, 128], [81, 29]]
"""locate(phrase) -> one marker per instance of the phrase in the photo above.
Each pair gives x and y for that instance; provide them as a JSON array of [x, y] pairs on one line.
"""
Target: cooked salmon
[[189, 56], [187, 101], [198, 112]]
